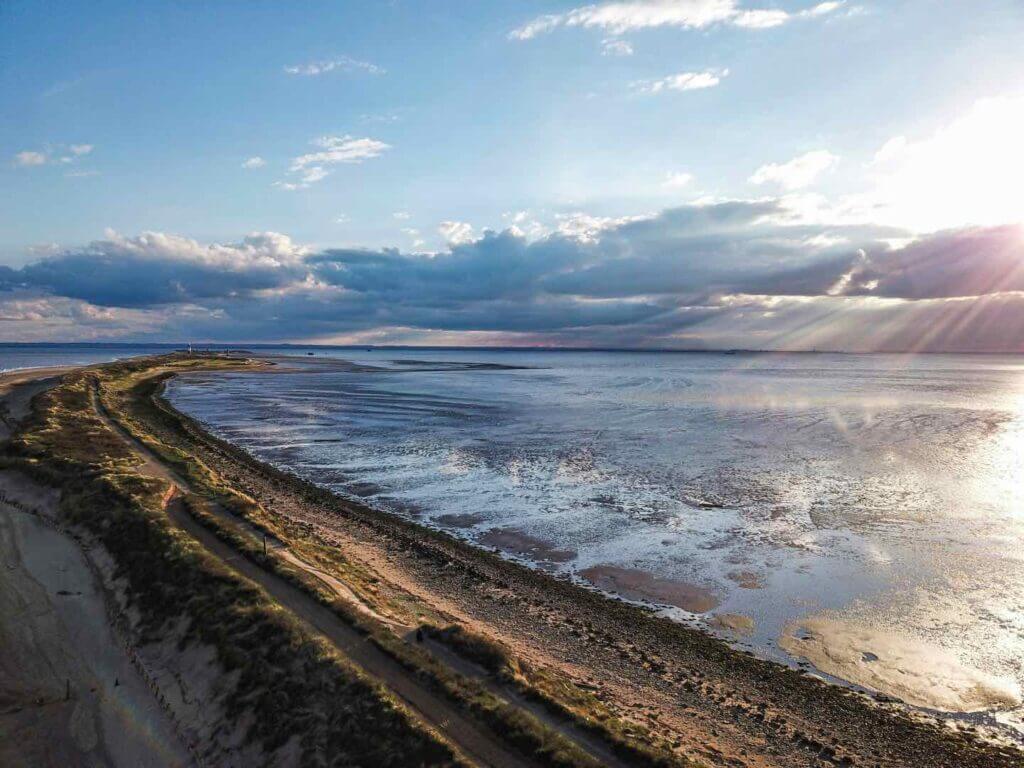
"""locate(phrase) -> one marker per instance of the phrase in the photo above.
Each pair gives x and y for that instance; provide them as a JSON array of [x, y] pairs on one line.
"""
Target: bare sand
[[69, 694], [17, 388]]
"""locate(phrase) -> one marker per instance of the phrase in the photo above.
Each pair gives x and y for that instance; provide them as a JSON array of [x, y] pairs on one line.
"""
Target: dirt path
[[470, 739]]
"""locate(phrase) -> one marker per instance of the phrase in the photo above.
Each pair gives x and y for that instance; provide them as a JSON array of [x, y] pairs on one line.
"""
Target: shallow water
[[863, 511]]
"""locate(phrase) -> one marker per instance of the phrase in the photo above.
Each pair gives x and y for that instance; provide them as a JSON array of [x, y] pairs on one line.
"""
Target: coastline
[[567, 646]]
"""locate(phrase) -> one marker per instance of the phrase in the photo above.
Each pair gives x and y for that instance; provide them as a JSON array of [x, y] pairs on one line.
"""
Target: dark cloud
[[970, 262], [156, 269], [738, 273]]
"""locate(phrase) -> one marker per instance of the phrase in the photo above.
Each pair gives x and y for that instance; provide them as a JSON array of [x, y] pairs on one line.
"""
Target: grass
[[560, 697], [287, 683]]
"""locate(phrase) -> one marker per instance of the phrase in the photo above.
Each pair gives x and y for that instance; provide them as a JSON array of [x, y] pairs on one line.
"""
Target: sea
[[859, 516]]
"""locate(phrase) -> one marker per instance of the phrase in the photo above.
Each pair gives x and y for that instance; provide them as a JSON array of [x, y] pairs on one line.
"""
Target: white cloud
[[60, 154], [684, 81], [340, 149], [254, 162], [516, 217], [340, 63], [620, 17], [892, 149], [760, 19], [823, 8], [414, 235], [677, 180], [313, 174], [456, 232], [613, 47], [401, 215], [333, 150], [798, 173], [587, 228], [29, 158]]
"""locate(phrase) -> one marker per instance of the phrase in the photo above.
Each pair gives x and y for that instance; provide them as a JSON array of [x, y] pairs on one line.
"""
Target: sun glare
[[971, 172]]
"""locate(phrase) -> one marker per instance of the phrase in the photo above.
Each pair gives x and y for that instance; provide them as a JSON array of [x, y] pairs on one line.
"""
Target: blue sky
[[377, 154]]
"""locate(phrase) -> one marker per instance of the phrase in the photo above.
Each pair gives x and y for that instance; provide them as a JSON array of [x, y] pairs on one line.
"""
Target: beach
[[574, 651]]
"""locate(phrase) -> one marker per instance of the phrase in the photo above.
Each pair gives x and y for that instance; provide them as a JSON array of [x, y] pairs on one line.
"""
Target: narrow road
[[473, 741]]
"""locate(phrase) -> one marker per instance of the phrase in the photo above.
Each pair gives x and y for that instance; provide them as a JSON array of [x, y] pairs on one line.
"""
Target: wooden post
[[264, 545]]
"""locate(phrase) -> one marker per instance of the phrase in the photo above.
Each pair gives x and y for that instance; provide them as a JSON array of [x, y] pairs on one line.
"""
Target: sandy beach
[[575, 654]]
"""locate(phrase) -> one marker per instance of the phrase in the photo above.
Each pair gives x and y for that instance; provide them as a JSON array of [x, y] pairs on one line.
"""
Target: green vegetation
[[288, 684]]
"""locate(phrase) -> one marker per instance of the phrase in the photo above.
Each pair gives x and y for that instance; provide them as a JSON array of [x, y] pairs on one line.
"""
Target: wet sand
[[899, 666], [733, 622], [640, 585], [522, 544]]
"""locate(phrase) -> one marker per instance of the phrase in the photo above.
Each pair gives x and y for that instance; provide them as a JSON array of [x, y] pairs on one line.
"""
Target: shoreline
[[660, 633], [690, 606], [661, 681]]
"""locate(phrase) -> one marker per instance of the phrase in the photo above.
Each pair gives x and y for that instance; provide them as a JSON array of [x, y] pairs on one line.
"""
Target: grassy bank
[[289, 686]]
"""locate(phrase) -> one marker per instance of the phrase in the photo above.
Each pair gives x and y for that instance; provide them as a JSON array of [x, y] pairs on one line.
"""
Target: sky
[[692, 174]]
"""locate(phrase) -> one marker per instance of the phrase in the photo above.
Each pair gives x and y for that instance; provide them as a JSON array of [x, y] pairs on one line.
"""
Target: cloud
[[456, 232], [798, 173], [613, 47], [340, 63], [254, 162], [60, 154], [155, 268], [821, 9], [684, 81], [401, 215], [677, 180], [340, 149], [620, 17], [333, 150], [728, 273], [29, 158], [975, 261], [760, 19]]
